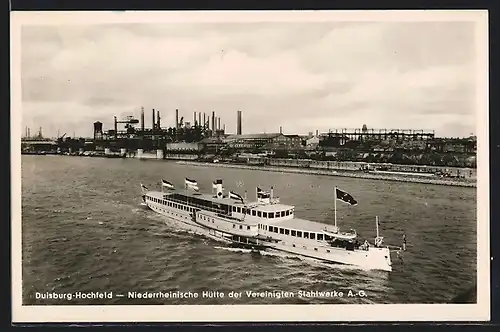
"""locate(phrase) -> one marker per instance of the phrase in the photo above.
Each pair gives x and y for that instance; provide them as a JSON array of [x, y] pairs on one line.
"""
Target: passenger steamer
[[265, 224]]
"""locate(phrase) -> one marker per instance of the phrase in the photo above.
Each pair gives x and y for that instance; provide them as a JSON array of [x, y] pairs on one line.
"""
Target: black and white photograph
[[250, 166]]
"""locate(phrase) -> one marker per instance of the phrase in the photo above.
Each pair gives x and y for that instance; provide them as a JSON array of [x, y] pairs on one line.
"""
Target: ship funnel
[[219, 190]]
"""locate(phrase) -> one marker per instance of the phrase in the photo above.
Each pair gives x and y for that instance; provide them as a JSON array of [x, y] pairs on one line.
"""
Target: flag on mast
[[233, 195], [167, 184], [262, 194], [345, 197], [215, 183], [192, 184]]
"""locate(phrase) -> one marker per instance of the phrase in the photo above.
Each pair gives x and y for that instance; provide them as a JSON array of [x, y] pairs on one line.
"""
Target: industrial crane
[[129, 122]]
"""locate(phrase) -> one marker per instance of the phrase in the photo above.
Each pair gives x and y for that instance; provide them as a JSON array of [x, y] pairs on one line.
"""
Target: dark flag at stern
[[345, 197]]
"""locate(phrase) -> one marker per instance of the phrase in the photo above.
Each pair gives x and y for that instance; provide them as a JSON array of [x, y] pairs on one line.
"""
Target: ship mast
[[335, 204]]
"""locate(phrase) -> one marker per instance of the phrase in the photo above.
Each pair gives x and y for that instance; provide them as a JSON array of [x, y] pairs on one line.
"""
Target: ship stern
[[379, 259]]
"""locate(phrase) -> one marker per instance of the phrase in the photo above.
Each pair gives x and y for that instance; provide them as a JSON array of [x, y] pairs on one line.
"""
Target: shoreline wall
[[352, 174]]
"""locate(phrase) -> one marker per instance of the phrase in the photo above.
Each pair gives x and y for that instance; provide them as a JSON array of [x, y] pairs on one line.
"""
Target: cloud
[[303, 76]]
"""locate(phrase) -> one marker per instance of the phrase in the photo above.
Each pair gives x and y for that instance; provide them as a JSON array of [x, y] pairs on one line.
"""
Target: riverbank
[[351, 174]]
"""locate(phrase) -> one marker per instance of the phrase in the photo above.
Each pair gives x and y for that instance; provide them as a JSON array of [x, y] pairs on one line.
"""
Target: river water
[[84, 230]]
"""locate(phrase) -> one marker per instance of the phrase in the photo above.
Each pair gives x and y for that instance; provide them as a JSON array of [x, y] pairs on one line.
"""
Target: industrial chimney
[[194, 118], [218, 124], [176, 118], [199, 119], [238, 124], [281, 130], [116, 127], [204, 121], [158, 119], [213, 121], [154, 123], [142, 119]]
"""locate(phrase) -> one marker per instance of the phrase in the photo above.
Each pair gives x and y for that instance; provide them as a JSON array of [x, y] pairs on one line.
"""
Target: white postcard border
[[258, 313]]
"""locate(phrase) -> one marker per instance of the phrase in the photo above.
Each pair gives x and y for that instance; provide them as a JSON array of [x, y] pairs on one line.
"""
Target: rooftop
[[253, 136]]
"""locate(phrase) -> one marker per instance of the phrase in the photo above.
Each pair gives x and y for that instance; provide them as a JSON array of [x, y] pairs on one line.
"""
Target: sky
[[300, 76]]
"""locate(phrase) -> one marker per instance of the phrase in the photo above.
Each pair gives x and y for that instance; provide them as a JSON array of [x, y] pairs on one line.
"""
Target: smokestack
[[208, 121], [238, 123], [224, 128], [199, 119], [281, 130], [204, 120], [317, 132], [194, 118], [116, 126], [142, 119], [218, 124], [176, 118], [154, 125], [158, 119], [29, 132], [213, 121]]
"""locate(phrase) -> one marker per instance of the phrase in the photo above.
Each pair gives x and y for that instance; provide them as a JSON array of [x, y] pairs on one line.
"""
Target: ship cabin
[[305, 232]]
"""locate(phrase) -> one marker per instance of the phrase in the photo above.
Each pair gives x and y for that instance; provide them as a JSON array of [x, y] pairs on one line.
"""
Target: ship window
[[271, 215], [294, 233], [282, 231], [287, 212], [238, 209], [244, 211], [234, 225], [248, 212], [315, 249], [264, 214], [248, 227], [299, 234], [328, 238], [312, 236], [270, 228], [287, 232], [241, 227], [306, 235], [293, 245], [282, 213], [327, 250], [275, 229], [265, 227], [259, 214], [254, 213], [320, 237]]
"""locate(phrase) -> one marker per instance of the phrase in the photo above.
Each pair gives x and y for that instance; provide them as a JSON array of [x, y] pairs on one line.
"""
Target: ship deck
[[225, 200]]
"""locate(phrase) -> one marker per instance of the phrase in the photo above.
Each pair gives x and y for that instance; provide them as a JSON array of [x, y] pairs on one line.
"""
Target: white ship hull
[[376, 258], [183, 220]]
